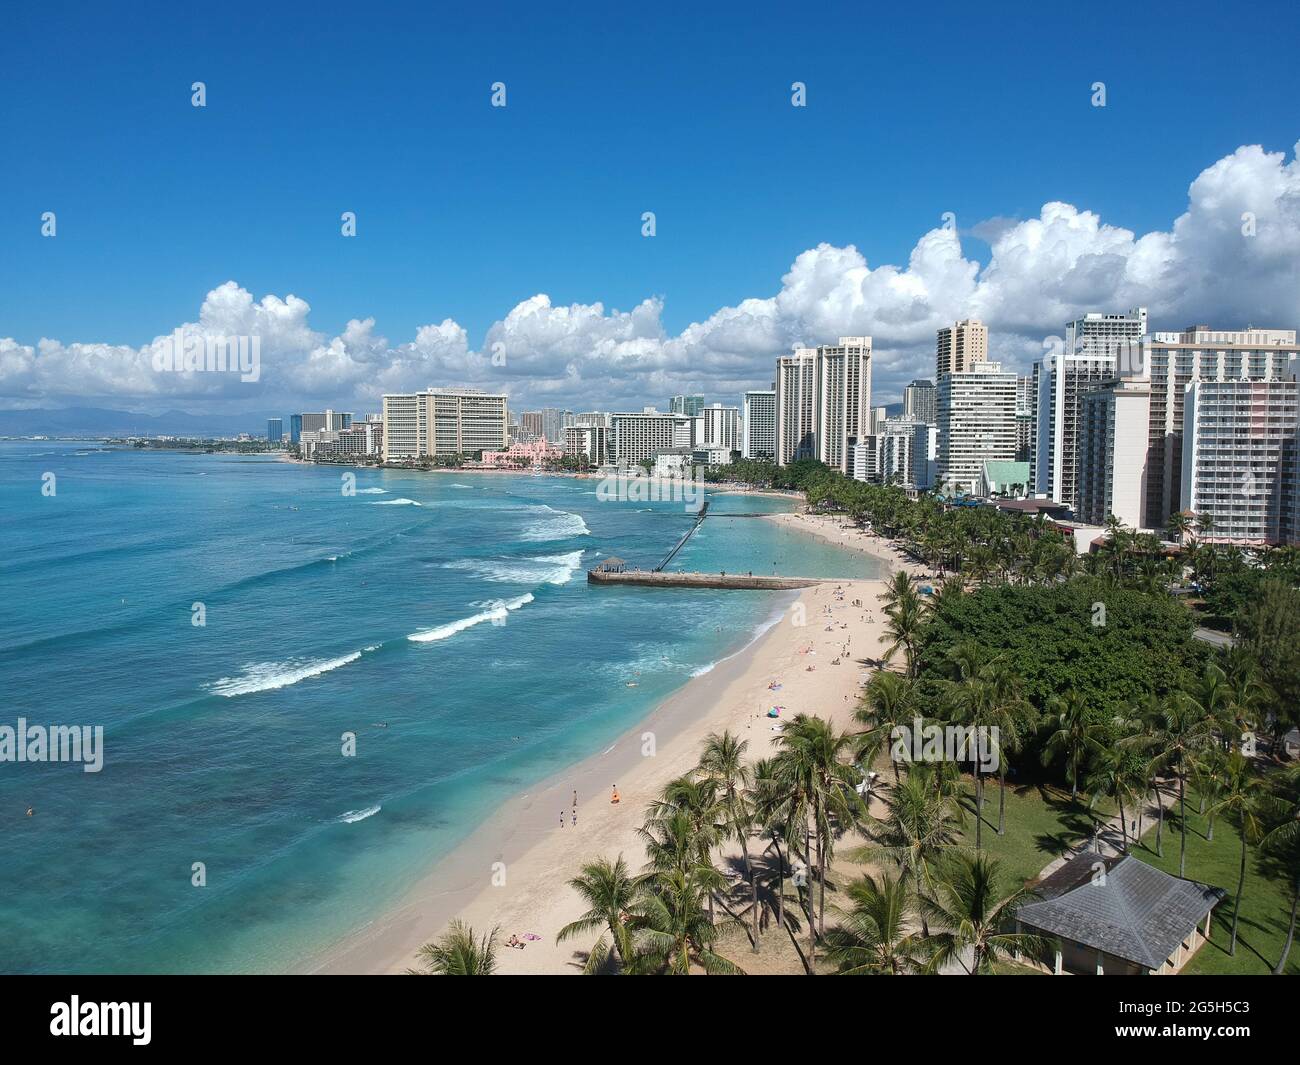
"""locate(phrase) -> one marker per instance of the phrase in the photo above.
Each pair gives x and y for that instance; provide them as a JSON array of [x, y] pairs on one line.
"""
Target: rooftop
[[1135, 912]]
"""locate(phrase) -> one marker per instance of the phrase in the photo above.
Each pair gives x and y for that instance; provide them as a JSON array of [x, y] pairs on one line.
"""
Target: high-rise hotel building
[[717, 428], [920, 401], [637, 438], [1114, 422], [1025, 404], [443, 421], [760, 425], [328, 421], [977, 424], [1133, 445], [823, 402], [688, 405], [547, 424], [591, 440], [1173, 362], [960, 345], [1240, 466], [1097, 348]]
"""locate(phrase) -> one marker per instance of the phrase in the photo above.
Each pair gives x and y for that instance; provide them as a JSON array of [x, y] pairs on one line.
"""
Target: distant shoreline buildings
[[1113, 421]]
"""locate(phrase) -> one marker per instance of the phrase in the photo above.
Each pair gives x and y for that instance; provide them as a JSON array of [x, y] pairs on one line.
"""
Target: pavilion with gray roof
[[1119, 916]]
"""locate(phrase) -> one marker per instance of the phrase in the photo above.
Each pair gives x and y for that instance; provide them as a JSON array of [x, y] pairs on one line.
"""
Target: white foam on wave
[[538, 569], [396, 503], [759, 629], [353, 816], [372, 491], [556, 525], [454, 485], [497, 612], [267, 676]]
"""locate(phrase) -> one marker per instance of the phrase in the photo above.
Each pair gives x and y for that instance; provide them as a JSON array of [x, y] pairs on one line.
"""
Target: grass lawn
[[1265, 904], [1042, 824]]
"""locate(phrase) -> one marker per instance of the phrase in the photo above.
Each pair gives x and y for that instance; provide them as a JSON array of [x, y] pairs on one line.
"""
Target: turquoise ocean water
[[222, 741]]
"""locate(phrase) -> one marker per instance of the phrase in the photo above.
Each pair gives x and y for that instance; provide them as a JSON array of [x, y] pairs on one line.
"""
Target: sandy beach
[[836, 530], [512, 872]]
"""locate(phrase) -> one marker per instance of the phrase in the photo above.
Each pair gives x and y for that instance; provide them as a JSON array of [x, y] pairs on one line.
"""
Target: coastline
[[512, 871], [831, 529]]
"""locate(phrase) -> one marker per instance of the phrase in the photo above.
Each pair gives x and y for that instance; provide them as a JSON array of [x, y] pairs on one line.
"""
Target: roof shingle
[[1136, 912]]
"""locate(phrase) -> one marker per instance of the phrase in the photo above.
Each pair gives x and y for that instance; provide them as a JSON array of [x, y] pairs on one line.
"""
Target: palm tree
[[767, 801], [673, 925], [872, 938], [1282, 809], [973, 913], [969, 701], [610, 893], [986, 698], [1137, 731], [888, 703], [1117, 543], [458, 953], [1204, 524], [1180, 523], [783, 803], [817, 759], [1119, 773], [1181, 729], [919, 829], [1245, 695], [980, 562], [906, 614], [1240, 800], [1075, 735], [723, 764], [898, 591], [1014, 716], [681, 829], [948, 592], [1206, 776]]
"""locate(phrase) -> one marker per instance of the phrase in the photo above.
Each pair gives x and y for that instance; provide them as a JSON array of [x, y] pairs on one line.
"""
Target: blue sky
[[464, 210]]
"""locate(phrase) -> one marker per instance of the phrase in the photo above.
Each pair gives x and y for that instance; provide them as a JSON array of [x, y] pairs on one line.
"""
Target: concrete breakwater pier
[[659, 579], [615, 571]]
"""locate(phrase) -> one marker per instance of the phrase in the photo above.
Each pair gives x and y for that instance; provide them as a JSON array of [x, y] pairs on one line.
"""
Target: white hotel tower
[[823, 402], [1240, 465], [1092, 352], [977, 424]]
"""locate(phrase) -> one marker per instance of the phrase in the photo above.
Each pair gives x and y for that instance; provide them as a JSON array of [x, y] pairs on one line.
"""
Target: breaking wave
[[497, 612]]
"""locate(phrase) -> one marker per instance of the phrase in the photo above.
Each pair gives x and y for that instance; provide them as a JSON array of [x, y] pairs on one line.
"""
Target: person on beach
[[614, 798], [561, 818]]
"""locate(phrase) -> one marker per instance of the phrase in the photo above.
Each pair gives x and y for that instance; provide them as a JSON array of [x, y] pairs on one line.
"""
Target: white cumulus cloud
[[1231, 258]]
